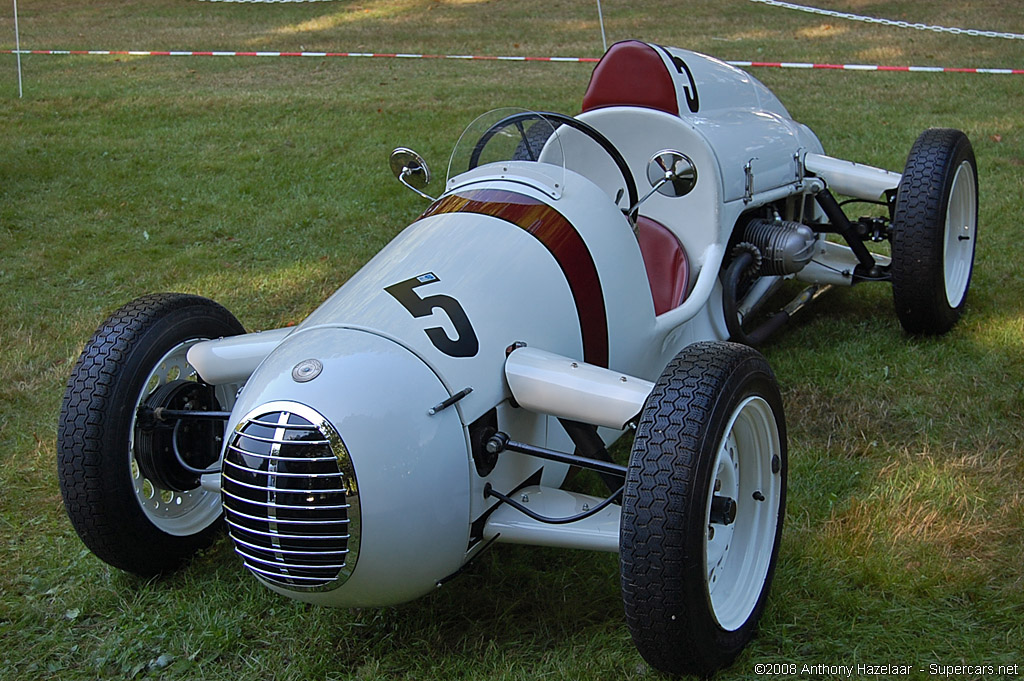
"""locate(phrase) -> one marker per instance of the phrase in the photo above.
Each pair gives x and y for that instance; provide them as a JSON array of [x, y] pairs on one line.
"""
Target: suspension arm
[[500, 442]]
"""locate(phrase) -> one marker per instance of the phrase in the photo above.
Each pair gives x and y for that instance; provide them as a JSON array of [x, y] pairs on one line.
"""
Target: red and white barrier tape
[[390, 55], [399, 55]]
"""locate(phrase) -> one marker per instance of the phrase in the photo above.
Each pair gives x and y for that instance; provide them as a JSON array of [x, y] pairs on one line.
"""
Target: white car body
[[419, 495], [536, 311]]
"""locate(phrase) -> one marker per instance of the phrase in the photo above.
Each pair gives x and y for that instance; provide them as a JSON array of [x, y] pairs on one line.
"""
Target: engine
[[783, 247]]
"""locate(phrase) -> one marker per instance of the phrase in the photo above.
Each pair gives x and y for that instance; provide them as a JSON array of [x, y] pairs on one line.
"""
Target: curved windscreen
[[503, 135]]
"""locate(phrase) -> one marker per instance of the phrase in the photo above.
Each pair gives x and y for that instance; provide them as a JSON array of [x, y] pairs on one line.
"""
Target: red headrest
[[631, 73]]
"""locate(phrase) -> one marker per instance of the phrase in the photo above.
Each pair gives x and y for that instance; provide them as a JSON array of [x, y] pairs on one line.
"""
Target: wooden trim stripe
[[561, 239]]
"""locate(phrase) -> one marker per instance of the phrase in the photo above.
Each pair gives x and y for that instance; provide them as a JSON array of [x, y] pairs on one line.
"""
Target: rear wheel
[[703, 507], [131, 490], [935, 229]]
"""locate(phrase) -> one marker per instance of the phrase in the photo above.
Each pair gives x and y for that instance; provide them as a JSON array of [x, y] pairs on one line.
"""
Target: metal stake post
[[17, 46], [600, 18]]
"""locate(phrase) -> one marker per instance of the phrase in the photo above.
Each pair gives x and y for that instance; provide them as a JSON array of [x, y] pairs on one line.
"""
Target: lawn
[[263, 183]]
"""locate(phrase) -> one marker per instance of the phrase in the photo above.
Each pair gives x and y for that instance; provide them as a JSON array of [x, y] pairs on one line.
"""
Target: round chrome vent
[[290, 498]]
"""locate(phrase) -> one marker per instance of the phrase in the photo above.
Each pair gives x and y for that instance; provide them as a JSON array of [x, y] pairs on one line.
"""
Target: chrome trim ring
[[178, 513], [290, 498]]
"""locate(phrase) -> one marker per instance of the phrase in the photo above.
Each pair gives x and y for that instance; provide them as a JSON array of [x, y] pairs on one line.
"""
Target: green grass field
[[263, 183]]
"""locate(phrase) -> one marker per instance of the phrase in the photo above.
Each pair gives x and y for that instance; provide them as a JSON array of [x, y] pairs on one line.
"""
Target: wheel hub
[[723, 511], [162, 446], [742, 512], [961, 224]]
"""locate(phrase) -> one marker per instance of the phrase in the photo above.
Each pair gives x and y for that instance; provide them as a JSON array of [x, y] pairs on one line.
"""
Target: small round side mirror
[[672, 173], [410, 169]]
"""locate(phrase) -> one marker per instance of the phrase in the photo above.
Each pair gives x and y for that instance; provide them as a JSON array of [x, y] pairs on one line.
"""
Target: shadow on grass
[[513, 608]]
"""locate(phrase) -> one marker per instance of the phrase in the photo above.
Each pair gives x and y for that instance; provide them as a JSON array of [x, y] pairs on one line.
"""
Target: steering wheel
[[556, 119]]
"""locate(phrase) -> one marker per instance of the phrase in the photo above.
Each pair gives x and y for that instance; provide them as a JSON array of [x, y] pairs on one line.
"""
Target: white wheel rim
[[737, 556], [961, 230], [176, 513]]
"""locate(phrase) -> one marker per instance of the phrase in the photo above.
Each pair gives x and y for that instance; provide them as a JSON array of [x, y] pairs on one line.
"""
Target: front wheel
[[702, 509], [935, 231], [131, 489]]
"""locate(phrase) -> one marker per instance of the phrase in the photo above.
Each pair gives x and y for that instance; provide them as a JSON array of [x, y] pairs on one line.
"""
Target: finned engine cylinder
[[785, 246]]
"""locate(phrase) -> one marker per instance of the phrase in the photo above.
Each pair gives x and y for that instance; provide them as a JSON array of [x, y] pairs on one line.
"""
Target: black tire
[[934, 232], [715, 404], [533, 141], [122, 517]]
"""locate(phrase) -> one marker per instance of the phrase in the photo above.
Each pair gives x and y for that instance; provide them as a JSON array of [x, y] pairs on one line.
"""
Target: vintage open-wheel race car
[[580, 277]]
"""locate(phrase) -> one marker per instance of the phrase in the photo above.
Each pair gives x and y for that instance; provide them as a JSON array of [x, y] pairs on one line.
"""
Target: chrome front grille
[[290, 498]]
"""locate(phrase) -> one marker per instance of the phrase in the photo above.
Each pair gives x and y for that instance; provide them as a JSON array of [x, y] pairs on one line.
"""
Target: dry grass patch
[[947, 518], [821, 31]]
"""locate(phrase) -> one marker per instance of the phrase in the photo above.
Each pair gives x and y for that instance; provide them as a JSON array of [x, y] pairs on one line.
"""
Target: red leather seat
[[668, 269], [631, 73]]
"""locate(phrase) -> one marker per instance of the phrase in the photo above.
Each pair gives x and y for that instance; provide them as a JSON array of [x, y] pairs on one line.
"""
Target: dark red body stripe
[[561, 239]]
